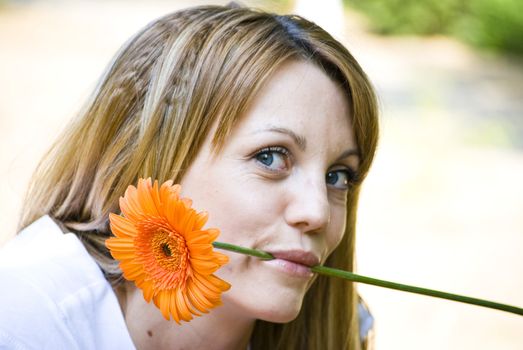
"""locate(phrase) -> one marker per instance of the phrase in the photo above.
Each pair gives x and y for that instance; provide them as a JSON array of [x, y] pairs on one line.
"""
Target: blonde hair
[[153, 109]]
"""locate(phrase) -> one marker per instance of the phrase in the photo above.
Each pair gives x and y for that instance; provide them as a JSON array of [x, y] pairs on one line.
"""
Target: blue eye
[[273, 158], [340, 179], [266, 158]]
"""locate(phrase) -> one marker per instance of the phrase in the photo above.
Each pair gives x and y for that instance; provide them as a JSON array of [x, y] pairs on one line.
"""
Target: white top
[[54, 296]]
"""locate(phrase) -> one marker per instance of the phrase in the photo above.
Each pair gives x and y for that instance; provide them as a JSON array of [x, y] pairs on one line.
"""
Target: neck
[[222, 328]]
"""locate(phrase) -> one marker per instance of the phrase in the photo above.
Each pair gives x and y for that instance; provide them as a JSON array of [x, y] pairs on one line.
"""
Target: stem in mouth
[[328, 271]]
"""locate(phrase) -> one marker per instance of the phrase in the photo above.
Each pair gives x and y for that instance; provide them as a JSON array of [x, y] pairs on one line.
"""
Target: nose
[[308, 207]]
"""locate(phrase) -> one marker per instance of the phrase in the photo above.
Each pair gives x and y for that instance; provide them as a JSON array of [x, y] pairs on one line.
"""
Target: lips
[[297, 256]]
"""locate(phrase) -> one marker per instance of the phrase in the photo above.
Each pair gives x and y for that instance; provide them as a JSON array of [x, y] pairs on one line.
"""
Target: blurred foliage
[[277, 6], [496, 24]]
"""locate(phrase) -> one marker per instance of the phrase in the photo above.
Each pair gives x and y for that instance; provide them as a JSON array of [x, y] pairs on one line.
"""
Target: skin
[[289, 196]]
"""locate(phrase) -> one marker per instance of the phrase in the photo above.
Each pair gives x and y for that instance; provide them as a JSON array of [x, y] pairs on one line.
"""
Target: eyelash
[[284, 152]]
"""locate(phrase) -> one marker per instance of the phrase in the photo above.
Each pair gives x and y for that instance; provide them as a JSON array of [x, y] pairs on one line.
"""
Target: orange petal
[[168, 192], [145, 198], [121, 244], [175, 313], [203, 266], [213, 233], [122, 255], [201, 219], [197, 300], [202, 298], [131, 271], [218, 282], [206, 288], [180, 307], [169, 210], [148, 290], [187, 202], [162, 301], [155, 194], [177, 214], [121, 226], [206, 236], [131, 200], [189, 305], [189, 220], [221, 259], [201, 250]]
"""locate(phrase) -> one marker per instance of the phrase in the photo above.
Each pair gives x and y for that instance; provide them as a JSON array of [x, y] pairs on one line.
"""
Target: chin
[[281, 318], [280, 313]]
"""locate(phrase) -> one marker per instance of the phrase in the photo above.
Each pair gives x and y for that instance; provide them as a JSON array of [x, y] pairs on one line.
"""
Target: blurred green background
[[494, 24], [443, 205]]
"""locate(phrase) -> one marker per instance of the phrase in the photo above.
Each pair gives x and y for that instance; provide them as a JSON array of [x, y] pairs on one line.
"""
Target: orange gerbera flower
[[162, 247]]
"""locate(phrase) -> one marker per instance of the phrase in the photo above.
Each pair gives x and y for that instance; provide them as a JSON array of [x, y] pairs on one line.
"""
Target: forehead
[[300, 97]]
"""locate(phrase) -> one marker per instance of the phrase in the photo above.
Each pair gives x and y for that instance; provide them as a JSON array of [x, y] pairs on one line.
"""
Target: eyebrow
[[349, 153], [299, 140]]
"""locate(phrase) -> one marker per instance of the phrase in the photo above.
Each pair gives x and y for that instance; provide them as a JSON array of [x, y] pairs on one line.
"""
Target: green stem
[[412, 289], [246, 251], [328, 271]]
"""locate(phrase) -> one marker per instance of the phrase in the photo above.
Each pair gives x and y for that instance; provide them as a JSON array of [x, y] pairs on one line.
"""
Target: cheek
[[336, 229], [238, 210]]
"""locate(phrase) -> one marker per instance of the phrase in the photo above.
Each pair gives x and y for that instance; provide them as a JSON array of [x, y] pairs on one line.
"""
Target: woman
[[268, 123]]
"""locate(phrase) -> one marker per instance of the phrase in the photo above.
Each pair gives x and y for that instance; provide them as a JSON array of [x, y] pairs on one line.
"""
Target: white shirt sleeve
[[54, 296]]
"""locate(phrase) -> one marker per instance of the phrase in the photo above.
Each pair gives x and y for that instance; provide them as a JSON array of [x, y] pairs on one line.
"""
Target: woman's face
[[279, 185]]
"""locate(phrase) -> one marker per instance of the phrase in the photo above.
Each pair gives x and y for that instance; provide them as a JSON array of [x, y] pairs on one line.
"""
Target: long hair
[[150, 114]]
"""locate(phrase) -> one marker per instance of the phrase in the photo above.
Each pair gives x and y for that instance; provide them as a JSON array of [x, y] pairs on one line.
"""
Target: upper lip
[[297, 256]]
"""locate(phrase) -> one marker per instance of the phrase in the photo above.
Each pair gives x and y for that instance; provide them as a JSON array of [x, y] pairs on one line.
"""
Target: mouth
[[294, 263], [297, 256]]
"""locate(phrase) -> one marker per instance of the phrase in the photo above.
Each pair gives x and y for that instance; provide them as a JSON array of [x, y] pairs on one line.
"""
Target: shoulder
[[366, 325], [54, 293]]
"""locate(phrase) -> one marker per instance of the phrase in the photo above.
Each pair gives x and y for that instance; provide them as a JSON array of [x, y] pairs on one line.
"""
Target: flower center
[[166, 250], [169, 249]]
